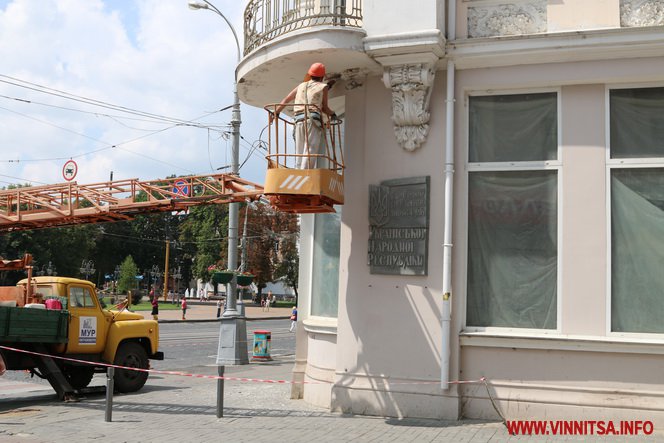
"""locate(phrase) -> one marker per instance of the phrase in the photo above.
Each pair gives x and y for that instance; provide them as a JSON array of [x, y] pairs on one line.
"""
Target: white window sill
[[564, 343], [321, 325]]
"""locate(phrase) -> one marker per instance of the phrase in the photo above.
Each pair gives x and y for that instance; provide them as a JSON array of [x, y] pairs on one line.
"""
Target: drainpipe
[[446, 318]]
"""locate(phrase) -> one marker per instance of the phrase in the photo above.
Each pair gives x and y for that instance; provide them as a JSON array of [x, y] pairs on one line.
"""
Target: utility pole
[[168, 248], [232, 351]]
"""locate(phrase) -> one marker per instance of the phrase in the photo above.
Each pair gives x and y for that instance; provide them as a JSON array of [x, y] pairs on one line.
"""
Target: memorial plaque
[[399, 226]]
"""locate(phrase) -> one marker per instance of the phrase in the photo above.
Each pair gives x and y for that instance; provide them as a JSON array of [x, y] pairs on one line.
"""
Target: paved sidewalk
[[175, 408], [207, 311], [183, 409]]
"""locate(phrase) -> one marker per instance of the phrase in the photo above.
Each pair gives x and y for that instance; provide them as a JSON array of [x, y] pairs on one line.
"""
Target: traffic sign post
[[69, 170]]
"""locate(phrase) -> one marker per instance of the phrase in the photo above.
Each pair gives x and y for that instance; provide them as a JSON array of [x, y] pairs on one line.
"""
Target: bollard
[[110, 373], [220, 392]]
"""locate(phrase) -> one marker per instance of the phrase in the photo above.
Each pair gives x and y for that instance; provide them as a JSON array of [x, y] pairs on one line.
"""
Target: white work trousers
[[312, 145]]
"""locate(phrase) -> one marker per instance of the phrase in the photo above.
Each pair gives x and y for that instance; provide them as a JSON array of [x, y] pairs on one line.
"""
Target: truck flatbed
[[28, 325]]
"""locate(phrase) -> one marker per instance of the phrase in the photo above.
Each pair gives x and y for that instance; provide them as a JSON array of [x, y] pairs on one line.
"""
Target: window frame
[[83, 290], [622, 163], [541, 165], [311, 267]]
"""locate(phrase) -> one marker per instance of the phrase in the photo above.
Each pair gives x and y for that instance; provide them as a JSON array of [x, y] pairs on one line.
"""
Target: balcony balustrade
[[265, 20]]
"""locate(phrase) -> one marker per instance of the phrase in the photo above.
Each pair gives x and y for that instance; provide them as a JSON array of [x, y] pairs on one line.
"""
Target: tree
[[127, 278], [288, 262], [203, 235], [272, 246], [64, 247]]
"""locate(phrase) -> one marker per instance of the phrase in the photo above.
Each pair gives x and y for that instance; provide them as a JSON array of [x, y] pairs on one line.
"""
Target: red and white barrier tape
[[217, 377]]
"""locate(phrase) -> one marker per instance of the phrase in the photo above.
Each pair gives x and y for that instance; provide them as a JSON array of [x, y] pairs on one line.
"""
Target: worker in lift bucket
[[309, 119]]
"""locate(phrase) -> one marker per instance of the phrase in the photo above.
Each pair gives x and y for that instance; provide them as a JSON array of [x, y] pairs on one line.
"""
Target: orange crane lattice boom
[[35, 207]]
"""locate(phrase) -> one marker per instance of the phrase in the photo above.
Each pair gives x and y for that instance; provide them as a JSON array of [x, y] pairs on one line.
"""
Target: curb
[[210, 320]]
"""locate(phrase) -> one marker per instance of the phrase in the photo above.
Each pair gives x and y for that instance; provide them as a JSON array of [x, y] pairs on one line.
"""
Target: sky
[[128, 86]]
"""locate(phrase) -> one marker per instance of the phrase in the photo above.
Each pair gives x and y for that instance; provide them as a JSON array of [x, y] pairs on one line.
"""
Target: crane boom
[[35, 207]]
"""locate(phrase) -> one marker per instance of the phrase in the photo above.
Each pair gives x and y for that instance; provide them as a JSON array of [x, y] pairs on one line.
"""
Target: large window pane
[[510, 128], [325, 278], [637, 122], [512, 249], [637, 250]]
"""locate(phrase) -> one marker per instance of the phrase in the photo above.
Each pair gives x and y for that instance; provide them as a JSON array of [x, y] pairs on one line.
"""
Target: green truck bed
[[33, 325]]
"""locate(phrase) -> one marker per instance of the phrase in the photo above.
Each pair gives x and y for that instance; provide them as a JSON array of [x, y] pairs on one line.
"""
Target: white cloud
[[156, 56]]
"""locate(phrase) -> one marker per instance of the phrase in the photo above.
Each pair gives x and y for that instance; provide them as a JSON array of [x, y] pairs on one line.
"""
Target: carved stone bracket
[[411, 86], [409, 68], [354, 78]]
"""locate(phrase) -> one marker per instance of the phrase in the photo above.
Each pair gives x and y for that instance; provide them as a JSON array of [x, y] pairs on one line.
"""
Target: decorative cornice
[[507, 19], [641, 13], [603, 44]]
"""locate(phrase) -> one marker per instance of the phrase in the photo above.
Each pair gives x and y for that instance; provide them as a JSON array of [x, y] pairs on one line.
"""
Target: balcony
[[283, 37], [265, 20]]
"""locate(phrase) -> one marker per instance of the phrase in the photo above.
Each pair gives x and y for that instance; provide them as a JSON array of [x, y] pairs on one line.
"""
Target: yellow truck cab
[[91, 333]]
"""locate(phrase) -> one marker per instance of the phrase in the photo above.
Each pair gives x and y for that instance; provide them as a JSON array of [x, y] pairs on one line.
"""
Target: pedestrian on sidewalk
[[155, 305], [268, 300], [3, 367], [218, 308], [184, 308], [293, 318]]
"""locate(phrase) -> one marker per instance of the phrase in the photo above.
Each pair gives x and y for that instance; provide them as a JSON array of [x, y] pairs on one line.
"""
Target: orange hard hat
[[317, 70]]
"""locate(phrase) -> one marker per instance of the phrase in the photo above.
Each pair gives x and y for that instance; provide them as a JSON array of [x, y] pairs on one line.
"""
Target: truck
[[76, 327]]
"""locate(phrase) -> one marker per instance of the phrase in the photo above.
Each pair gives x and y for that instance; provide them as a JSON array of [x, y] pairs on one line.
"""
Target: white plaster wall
[[389, 326], [564, 385], [577, 15], [394, 17], [583, 210]]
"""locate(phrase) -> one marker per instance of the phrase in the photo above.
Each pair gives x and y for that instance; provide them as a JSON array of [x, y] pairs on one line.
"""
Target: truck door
[[87, 328]]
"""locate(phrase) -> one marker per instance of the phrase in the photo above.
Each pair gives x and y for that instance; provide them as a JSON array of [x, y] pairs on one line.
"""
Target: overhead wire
[[94, 102], [148, 117], [65, 108]]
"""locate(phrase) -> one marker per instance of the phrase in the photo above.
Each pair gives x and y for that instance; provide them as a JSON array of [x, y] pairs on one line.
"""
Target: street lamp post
[[233, 323], [155, 273], [48, 269], [177, 275], [117, 275], [87, 268]]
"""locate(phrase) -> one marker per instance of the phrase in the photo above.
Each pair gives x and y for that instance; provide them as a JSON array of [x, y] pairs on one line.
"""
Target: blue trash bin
[[262, 341]]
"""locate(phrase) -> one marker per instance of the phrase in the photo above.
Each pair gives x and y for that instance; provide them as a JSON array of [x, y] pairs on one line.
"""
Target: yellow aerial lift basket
[[309, 179]]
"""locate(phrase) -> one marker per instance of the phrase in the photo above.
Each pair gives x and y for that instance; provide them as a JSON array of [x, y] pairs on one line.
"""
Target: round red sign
[[69, 170]]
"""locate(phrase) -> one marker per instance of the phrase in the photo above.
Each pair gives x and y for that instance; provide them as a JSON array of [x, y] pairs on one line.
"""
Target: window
[[80, 298], [637, 209], [325, 276], [509, 128], [637, 123], [512, 211]]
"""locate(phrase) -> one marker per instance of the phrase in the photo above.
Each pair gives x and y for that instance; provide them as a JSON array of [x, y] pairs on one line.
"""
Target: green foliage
[[65, 248], [127, 278], [288, 266], [272, 246], [204, 236]]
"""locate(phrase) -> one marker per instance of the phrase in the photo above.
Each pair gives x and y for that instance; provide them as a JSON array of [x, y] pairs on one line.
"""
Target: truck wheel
[[132, 355], [78, 376]]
